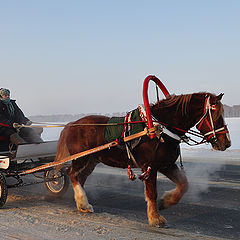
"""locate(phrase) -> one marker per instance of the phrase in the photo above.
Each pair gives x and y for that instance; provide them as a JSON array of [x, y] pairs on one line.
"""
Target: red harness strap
[[5, 125], [125, 125], [131, 175], [144, 176], [201, 123]]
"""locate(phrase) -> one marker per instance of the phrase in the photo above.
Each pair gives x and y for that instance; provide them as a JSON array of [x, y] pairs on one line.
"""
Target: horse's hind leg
[[154, 218], [179, 178], [78, 173]]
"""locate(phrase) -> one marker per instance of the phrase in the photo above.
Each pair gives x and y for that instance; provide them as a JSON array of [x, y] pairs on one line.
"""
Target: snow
[[234, 129], [52, 133]]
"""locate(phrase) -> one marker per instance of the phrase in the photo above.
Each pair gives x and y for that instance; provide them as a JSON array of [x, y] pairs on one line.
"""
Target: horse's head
[[203, 110], [212, 124]]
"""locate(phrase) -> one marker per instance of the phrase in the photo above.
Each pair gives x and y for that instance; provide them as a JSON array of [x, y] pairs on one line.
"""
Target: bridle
[[210, 136]]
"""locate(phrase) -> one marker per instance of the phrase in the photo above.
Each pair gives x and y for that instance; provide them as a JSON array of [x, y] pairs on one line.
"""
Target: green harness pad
[[111, 133]]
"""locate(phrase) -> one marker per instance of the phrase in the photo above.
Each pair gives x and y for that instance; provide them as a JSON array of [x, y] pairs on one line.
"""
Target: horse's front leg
[[179, 178], [154, 218]]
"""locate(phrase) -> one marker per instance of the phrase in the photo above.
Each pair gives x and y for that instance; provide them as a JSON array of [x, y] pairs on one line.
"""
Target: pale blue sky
[[92, 56]]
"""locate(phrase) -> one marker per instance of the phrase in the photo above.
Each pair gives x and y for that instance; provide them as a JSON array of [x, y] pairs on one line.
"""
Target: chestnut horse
[[203, 110]]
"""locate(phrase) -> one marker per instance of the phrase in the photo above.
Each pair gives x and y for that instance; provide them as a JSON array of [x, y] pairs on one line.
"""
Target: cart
[[15, 162]]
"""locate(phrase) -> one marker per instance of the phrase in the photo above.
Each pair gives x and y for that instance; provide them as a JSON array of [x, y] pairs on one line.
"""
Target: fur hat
[[4, 91]]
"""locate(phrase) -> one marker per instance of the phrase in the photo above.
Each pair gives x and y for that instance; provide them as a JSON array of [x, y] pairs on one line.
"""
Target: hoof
[[160, 225], [88, 209], [159, 222]]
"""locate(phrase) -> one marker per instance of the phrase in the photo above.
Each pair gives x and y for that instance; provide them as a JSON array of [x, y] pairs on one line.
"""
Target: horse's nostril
[[228, 145]]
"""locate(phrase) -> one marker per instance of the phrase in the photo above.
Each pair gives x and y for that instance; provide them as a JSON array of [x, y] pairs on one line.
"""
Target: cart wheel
[[3, 190], [59, 185]]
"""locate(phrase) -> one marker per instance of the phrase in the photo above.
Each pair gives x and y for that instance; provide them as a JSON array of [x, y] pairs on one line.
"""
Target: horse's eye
[[213, 107]]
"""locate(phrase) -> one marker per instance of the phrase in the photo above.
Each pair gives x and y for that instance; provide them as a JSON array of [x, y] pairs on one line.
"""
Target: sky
[[74, 56]]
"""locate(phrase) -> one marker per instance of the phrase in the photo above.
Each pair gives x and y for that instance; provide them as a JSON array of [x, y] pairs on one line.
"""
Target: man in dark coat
[[11, 116]]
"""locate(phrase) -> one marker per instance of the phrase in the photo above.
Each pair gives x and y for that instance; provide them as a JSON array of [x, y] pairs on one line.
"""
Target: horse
[[180, 113]]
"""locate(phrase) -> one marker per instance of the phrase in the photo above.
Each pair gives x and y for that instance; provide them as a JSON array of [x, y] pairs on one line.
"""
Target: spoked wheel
[[56, 182], [3, 190]]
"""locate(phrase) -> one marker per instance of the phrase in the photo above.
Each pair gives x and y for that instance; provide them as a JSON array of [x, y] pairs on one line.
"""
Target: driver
[[12, 116]]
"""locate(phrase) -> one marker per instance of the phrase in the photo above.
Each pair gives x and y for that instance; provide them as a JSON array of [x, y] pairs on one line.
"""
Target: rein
[[164, 130], [210, 136], [54, 125]]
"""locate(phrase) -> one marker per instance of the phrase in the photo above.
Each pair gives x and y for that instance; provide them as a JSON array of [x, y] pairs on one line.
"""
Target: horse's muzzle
[[221, 147]]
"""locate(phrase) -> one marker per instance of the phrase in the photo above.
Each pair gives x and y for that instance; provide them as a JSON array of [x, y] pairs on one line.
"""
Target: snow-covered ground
[[234, 129]]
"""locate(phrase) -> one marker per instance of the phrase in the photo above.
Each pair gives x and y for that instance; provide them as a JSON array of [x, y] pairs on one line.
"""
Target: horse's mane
[[182, 102]]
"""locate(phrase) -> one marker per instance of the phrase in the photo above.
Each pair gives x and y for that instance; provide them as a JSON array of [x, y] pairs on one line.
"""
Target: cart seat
[[36, 150]]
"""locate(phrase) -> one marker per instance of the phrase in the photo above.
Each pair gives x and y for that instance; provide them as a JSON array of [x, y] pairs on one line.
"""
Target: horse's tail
[[62, 149]]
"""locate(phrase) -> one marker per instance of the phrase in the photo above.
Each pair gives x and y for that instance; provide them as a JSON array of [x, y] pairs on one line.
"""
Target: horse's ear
[[219, 97]]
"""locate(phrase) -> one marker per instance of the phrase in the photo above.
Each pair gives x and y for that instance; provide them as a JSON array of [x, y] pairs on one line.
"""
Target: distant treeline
[[68, 117], [233, 111]]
